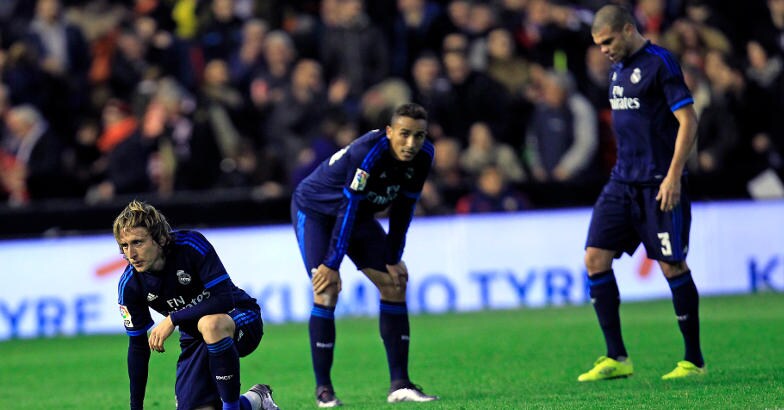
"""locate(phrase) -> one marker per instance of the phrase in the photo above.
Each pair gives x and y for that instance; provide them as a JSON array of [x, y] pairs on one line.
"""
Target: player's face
[[613, 44], [141, 250], [406, 136]]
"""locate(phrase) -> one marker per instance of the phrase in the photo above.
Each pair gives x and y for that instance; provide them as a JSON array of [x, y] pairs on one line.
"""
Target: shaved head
[[612, 16]]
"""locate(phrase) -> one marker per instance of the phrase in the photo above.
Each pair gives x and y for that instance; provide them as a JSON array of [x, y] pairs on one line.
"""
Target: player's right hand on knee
[[323, 277]]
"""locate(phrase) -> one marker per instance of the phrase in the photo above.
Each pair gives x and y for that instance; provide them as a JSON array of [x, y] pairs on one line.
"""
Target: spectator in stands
[[513, 72], [64, 57], [36, 169], [428, 88], [712, 174], [354, 49], [221, 34], [296, 120], [447, 177], [503, 63], [221, 109], [128, 66], [481, 19], [473, 96], [770, 29], [765, 73], [167, 55], [484, 150], [248, 59], [268, 86], [419, 27], [562, 137], [492, 194]]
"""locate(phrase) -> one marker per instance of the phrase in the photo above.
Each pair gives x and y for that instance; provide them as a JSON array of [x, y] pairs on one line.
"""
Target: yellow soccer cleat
[[606, 368], [684, 369]]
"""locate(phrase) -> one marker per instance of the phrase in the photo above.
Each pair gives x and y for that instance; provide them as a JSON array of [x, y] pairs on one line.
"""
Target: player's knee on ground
[[216, 327]]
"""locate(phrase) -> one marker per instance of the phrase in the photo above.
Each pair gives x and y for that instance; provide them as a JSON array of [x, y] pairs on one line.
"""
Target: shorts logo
[[360, 180], [126, 315], [183, 277]]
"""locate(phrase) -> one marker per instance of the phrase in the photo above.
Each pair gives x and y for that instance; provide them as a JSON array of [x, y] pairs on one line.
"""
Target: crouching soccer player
[[333, 215], [179, 275]]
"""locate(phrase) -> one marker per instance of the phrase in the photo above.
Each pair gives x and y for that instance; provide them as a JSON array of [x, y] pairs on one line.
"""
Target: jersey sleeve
[[137, 321], [358, 160], [673, 85], [401, 212], [133, 308]]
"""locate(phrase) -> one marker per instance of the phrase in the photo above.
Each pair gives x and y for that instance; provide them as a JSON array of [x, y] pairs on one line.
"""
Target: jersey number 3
[[666, 247]]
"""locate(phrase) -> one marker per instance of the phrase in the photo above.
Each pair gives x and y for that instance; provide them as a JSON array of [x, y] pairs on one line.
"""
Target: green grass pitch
[[515, 359]]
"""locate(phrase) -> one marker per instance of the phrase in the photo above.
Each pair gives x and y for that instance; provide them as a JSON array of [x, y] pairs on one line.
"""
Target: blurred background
[[215, 109]]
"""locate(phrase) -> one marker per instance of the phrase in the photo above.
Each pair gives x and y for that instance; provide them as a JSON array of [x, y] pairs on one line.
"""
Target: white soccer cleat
[[409, 392], [263, 395]]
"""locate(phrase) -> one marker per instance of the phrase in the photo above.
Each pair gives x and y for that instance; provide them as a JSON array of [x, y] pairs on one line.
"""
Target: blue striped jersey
[[645, 89], [360, 180], [192, 282]]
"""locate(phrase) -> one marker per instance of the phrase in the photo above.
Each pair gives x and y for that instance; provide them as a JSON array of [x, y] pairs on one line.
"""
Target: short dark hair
[[613, 16], [411, 110]]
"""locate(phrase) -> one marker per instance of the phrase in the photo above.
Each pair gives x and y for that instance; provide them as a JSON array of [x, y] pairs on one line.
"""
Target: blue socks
[[225, 368], [322, 342], [606, 302], [685, 299], [395, 332]]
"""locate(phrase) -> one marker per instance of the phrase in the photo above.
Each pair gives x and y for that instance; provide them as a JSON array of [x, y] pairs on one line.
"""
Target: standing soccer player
[[645, 199], [179, 275], [333, 215]]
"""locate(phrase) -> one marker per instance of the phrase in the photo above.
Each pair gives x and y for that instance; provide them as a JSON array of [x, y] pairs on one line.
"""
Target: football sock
[[685, 299], [225, 368], [394, 328], [606, 302], [322, 342]]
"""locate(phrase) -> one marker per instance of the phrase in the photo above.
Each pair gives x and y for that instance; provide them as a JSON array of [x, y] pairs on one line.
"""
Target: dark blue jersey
[[192, 284], [360, 180], [645, 89]]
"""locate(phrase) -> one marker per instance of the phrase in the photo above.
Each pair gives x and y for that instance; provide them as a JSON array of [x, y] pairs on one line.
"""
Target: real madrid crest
[[636, 75], [183, 277]]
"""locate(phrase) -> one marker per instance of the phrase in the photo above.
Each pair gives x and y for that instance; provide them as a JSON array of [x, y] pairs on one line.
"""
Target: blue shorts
[[195, 386], [625, 215], [314, 232]]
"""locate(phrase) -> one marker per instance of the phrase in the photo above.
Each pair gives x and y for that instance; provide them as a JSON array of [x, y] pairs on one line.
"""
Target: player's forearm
[[400, 216], [220, 301], [685, 140], [138, 364]]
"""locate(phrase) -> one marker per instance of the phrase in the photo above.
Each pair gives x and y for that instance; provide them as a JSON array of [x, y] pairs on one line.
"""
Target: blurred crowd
[[101, 98]]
